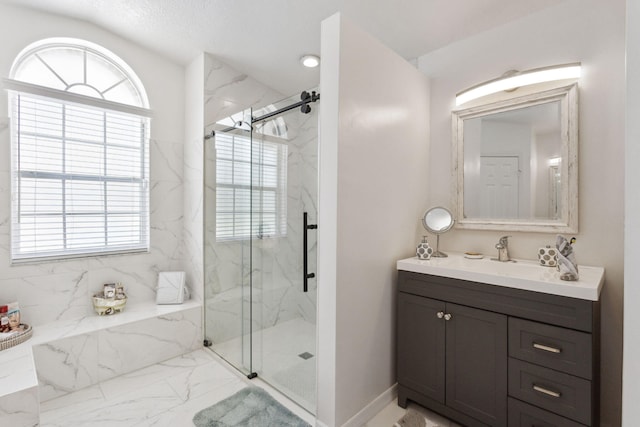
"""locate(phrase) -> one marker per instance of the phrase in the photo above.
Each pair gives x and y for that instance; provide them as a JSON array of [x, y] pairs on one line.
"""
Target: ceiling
[[265, 39]]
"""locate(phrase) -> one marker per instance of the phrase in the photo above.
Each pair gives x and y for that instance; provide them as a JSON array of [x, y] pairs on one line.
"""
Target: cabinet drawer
[[524, 415], [562, 349], [555, 391]]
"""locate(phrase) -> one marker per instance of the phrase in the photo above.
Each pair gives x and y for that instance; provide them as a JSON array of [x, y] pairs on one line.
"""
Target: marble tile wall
[[20, 409], [68, 364], [61, 290]]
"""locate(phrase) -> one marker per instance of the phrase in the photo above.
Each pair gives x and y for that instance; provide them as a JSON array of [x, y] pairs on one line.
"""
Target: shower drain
[[306, 355]]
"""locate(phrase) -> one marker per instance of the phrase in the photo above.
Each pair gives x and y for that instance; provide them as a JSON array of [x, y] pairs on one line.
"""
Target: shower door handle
[[305, 256]]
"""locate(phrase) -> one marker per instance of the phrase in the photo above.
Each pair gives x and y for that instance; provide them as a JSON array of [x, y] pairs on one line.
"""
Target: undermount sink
[[523, 274]]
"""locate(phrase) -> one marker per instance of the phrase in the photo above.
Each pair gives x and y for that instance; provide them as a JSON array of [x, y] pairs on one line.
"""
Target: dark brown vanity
[[491, 354]]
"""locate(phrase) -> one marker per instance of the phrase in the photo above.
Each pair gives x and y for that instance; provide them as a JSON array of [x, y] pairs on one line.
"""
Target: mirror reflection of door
[[554, 191], [499, 196]]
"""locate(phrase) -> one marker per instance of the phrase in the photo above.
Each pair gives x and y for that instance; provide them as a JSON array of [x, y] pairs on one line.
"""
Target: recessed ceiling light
[[310, 61]]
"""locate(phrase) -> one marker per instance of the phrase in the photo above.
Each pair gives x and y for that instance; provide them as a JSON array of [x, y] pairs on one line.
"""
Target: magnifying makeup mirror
[[438, 220]]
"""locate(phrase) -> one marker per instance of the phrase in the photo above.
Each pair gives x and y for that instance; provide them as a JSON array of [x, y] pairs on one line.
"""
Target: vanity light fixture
[[310, 61], [519, 79]]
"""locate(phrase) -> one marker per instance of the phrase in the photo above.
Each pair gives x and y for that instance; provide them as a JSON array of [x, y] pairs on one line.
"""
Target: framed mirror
[[515, 163]]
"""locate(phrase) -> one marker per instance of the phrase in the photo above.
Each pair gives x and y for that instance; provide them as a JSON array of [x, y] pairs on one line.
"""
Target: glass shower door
[[261, 178], [227, 241], [285, 175]]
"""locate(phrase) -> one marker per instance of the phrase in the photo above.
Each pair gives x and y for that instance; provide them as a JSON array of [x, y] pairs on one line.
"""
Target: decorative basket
[[108, 306], [17, 338]]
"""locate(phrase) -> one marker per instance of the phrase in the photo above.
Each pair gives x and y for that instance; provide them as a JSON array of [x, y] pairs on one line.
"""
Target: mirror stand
[[437, 253], [438, 220]]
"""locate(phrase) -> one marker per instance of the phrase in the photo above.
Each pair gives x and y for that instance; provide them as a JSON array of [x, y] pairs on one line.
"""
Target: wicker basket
[[16, 339], [107, 306]]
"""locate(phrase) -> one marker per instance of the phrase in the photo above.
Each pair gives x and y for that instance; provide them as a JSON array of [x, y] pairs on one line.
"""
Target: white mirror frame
[[568, 221]]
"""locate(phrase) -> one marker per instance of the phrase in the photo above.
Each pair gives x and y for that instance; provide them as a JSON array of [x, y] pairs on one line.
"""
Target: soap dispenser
[[424, 251], [548, 256]]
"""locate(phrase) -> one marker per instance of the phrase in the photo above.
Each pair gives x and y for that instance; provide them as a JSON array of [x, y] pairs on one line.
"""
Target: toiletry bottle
[[4, 319], [13, 312], [424, 250]]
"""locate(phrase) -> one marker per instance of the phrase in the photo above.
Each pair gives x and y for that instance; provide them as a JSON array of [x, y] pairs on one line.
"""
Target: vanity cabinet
[[454, 355], [486, 355]]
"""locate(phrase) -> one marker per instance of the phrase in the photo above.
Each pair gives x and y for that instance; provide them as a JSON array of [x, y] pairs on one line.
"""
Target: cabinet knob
[[447, 316], [440, 314]]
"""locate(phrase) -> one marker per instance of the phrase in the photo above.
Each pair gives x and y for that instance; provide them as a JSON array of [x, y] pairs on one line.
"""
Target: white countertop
[[522, 274]]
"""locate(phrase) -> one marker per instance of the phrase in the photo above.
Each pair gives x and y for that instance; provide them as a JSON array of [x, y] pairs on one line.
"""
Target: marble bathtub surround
[[66, 356]]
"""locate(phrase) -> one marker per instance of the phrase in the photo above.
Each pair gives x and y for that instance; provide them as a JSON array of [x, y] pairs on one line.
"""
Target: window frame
[[18, 89]]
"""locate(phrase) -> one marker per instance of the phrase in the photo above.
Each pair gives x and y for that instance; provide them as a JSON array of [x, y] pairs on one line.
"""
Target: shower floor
[[281, 358]]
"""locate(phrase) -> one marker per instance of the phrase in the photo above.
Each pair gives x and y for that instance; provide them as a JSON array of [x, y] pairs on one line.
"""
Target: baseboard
[[372, 409]]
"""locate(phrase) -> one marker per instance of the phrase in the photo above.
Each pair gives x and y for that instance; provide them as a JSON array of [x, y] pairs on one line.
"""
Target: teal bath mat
[[250, 407]]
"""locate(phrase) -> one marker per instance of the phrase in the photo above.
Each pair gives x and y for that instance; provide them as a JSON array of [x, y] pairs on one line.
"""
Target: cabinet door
[[476, 363], [420, 348]]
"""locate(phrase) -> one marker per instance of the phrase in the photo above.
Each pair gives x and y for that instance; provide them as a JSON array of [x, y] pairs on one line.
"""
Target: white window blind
[[80, 179], [251, 186]]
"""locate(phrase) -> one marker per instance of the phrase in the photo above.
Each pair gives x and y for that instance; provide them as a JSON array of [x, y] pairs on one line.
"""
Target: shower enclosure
[[261, 179]]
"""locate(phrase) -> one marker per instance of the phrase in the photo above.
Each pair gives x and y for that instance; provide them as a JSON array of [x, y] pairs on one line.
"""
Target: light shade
[[523, 78], [310, 61]]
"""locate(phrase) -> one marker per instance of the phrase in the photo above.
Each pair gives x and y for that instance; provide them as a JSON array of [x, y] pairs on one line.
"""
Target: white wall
[[587, 31], [631, 371], [61, 290], [374, 149]]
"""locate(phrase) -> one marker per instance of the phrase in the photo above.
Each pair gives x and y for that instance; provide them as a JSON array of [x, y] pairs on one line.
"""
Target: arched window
[[80, 152]]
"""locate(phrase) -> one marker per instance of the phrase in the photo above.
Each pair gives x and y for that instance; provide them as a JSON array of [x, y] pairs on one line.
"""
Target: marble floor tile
[[392, 413], [172, 392], [127, 410], [68, 404], [181, 365], [166, 394], [201, 380], [182, 415]]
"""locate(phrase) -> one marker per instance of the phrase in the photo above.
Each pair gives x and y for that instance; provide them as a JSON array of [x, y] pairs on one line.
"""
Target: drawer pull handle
[[546, 391], [447, 316], [440, 314], [546, 348]]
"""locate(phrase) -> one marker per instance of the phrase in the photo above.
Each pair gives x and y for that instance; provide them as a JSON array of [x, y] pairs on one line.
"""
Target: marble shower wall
[[277, 263], [61, 290]]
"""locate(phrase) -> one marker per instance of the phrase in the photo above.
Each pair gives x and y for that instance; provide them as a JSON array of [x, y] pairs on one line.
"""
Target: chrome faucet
[[503, 249]]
